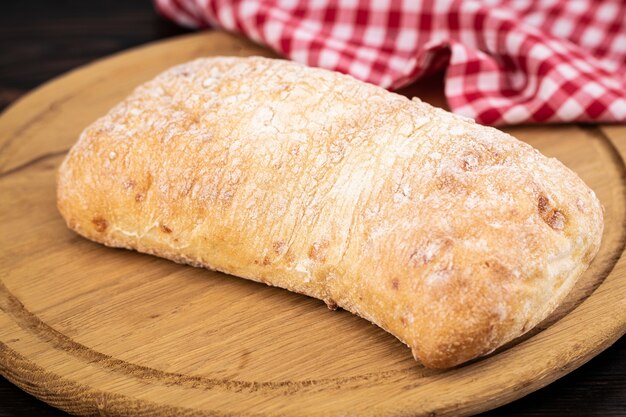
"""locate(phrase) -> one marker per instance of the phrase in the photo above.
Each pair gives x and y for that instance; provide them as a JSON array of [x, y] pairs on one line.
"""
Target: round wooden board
[[100, 331]]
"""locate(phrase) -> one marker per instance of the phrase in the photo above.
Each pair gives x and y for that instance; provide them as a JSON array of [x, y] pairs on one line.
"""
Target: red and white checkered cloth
[[506, 61]]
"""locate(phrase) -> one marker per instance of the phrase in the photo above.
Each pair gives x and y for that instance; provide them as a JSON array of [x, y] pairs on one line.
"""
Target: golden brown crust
[[454, 237]]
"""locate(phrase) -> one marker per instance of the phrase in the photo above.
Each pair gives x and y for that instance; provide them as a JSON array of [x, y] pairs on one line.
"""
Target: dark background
[[42, 39]]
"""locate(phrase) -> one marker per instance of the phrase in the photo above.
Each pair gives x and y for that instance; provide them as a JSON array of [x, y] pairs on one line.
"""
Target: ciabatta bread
[[454, 237]]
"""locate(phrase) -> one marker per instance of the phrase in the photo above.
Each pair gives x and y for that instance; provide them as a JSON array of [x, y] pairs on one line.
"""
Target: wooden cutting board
[[100, 331]]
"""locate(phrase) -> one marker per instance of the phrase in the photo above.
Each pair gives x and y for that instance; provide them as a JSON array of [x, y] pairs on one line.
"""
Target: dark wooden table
[[40, 39]]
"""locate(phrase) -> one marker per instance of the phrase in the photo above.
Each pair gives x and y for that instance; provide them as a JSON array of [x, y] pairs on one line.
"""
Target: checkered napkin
[[505, 61]]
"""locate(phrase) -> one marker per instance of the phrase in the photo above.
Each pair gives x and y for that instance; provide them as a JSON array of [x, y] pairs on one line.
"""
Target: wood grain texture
[[94, 330]]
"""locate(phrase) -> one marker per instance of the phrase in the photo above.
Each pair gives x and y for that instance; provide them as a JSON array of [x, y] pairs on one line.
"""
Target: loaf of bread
[[454, 237]]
